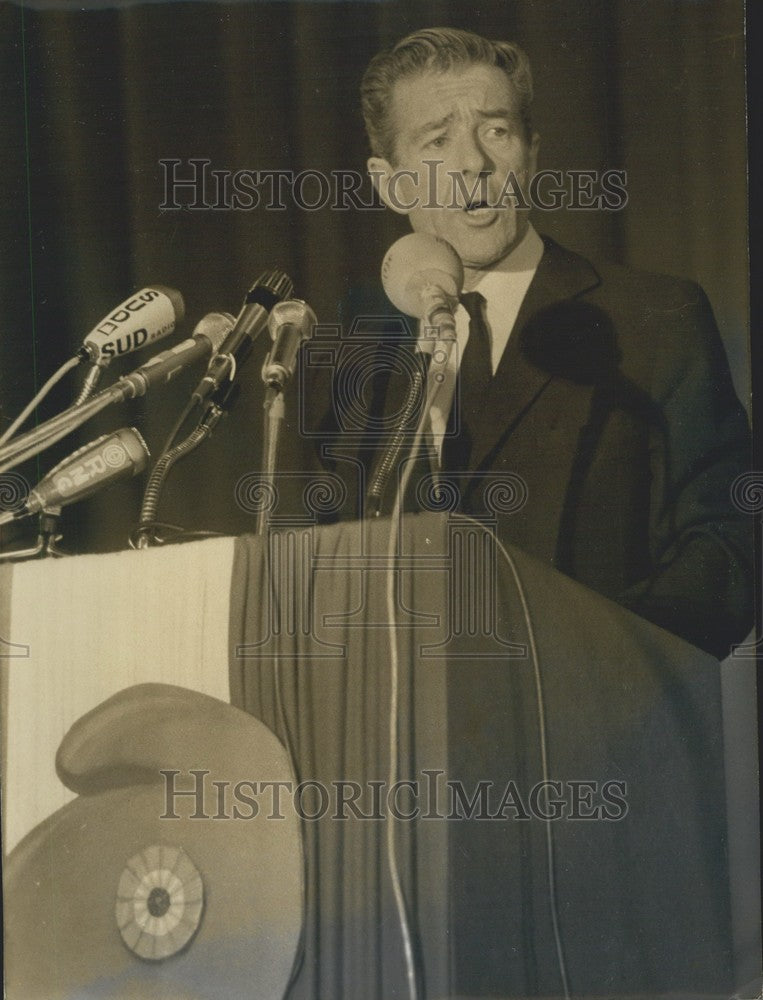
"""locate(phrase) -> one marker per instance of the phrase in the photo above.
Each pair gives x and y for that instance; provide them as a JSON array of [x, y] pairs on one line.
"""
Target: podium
[[558, 800]]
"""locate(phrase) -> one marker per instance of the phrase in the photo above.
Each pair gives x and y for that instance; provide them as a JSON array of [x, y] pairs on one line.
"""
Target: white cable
[[391, 840], [38, 398], [394, 872], [394, 711], [550, 854]]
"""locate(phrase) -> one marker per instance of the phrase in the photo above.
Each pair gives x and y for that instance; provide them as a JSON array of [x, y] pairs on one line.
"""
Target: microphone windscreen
[[215, 327], [147, 316], [295, 312], [290, 323], [98, 463], [175, 298], [418, 261]]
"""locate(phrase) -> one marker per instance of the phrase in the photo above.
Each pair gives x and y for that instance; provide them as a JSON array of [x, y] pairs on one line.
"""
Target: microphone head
[[415, 263], [146, 316], [176, 300], [110, 457], [296, 313], [290, 323], [270, 287], [135, 449], [215, 327], [276, 281]]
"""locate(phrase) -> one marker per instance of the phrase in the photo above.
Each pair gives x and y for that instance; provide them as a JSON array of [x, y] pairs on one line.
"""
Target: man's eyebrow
[[432, 126], [497, 113]]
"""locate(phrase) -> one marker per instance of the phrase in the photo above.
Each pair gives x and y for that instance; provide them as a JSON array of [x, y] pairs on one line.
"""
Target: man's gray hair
[[437, 50]]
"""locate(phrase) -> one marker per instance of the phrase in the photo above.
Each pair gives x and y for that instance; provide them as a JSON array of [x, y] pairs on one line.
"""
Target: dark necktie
[[474, 376]]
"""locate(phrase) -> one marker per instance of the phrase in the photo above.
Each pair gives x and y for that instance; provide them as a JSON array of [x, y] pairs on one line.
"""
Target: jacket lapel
[[518, 383]]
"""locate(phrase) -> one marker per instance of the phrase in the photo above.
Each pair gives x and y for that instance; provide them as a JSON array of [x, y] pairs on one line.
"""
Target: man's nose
[[473, 158]]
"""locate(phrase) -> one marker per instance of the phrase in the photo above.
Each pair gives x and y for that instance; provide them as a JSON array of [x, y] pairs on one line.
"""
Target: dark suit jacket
[[614, 404]]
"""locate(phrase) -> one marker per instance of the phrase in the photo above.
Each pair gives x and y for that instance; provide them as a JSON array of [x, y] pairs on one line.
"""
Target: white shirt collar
[[524, 258], [504, 288]]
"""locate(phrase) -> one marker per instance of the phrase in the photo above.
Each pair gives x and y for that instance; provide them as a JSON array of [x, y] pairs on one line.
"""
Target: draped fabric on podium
[[642, 897], [332, 678]]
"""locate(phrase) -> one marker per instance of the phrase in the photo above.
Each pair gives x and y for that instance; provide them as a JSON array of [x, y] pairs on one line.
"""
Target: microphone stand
[[47, 540], [290, 323], [49, 433], [274, 411], [425, 385], [158, 371]]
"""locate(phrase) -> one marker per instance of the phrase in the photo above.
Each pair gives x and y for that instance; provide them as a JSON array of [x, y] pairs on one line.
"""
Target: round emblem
[[159, 904], [115, 456]]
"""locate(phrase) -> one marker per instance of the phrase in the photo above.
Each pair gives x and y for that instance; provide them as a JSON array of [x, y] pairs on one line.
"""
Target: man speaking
[[605, 389]]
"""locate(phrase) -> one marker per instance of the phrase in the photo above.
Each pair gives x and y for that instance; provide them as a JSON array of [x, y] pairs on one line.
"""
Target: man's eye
[[438, 142], [498, 131]]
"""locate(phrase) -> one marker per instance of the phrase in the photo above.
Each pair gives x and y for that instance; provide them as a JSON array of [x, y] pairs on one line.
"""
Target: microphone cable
[[54, 379], [543, 742], [141, 536], [176, 427], [394, 709], [412, 973]]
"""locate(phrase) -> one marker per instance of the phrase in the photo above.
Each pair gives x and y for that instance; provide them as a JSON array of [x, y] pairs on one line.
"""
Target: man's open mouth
[[475, 206]]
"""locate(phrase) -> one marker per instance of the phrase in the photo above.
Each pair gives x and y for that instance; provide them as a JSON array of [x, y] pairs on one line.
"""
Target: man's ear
[[394, 186]]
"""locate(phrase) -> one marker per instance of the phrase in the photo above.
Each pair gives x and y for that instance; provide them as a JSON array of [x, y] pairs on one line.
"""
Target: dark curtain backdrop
[[93, 99]]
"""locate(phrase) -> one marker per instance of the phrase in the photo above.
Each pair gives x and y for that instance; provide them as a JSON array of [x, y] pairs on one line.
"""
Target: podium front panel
[[612, 852]]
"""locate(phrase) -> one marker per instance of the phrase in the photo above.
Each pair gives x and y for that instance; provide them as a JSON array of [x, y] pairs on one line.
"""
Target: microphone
[[270, 288], [208, 337], [147, 316], [290, 324], [423, 277], [111, 457], [209, 334]]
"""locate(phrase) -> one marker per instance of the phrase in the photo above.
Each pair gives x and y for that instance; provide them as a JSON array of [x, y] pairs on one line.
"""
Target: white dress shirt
[[503, 288]]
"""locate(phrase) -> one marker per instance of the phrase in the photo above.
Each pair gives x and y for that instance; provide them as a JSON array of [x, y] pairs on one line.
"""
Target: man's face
[[466, 120]]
